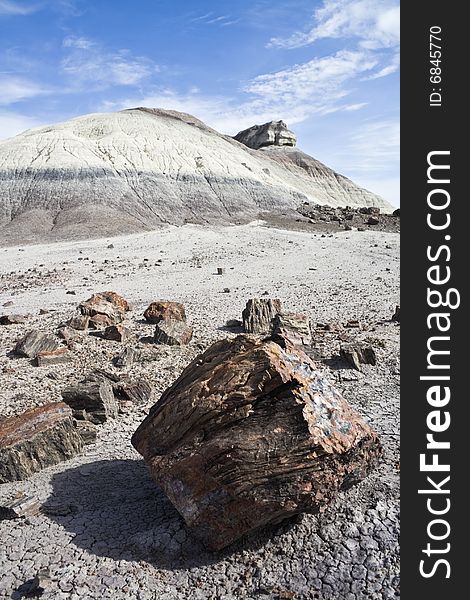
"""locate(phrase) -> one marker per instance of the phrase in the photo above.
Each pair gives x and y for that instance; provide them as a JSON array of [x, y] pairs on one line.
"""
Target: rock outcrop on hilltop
[[274, 133], [138, 169]]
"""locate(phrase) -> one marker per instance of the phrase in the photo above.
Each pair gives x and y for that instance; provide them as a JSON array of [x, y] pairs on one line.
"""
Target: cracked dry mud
[[106, 530]]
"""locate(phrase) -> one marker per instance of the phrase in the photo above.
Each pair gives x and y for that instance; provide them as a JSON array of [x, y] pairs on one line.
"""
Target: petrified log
[[158, 311], [23, 506], [137, 392], [258, 315], [357, 353], [36, 439], [250, 434], [92, 399], [173, 333], [294, 326], [35, 342], [79, 322]]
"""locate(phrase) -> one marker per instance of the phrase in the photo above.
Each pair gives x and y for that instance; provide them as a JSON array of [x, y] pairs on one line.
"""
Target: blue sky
[[329, 68]]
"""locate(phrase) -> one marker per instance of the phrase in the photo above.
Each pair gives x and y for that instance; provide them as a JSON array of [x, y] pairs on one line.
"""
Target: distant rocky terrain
[[139, 169]]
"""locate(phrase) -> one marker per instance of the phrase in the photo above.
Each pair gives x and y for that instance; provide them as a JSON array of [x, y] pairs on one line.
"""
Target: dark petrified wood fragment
[[294, 326], [35, 342], [36, 439], [357, 353], [250, 434], [92, 399], [173, 333]]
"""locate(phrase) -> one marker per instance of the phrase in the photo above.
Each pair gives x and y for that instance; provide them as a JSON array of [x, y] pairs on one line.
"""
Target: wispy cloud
[[15, 89], [10, 7], [374, 146], [212, 18], [375, 23], [293, 94], [91, 63]]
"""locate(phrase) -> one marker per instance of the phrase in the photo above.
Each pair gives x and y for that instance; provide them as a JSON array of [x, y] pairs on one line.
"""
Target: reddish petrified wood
[[110, 304], [36, 439], [250, 434], [158, 311]]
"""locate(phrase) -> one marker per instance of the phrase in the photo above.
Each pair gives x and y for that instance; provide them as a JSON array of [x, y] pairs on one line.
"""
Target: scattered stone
[[220, 271], [226, 291], [13, 319], [71, 292], [353, 324], [396, 213], [250, 434], [117, 333], [45, 311], [68, 334], [137, 392], [110, 246], [110, 304], [373, 221], [35, 342], [234, 323], [100, 322], [8, 303], [35, 587], [125, 358], [295, 327], [92, 399], [396, 314], [23, 506], [78, 322], [259, 314], [87, 431], [54, 357], [38, 438], [357, 353], [173, 333], [164, 309]]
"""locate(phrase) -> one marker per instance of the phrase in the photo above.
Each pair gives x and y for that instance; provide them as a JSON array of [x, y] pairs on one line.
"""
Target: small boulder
[[92, 399], [117, 333], [293, 326], [87, 431], [258, 315], [38, 438], [109, 304], [357, 353], [396, 314], [164, 310], [373, 221], [125, 358], [173, 333], [137, 392], [101, 322], [79, 322], [54, 357], [35, 342], [13, 319]]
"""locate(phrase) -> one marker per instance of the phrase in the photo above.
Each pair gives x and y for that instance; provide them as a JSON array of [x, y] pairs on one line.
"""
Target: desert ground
[[109, 531]]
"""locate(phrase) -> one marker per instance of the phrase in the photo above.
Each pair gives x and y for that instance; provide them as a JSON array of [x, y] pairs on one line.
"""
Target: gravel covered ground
[[109, 532]]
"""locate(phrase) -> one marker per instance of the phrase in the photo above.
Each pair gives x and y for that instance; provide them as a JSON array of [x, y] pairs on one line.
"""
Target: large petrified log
[[250, 434], [258, 314], [36, 439]]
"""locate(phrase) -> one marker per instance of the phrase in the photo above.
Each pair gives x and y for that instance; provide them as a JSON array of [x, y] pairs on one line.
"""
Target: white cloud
[[12, 123], [89, 62], [388, 69], [373, 147], [15, 89], [376, 23], [292, 94], [9, 7]]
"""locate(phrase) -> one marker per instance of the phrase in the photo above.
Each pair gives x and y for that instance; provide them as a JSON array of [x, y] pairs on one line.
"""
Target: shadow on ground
[[114, 509]]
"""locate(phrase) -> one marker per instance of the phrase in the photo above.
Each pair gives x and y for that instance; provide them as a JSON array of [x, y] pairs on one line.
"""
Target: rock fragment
[[92, 399], [251, 434], [173, 333], [35, 342], [38, 438], [117, 333], [13, 319], [258, 315], [22, 506], [396, 314], [294, 326], [357, 353], [54, 357], [109, 304], [125, 358], [164, 310], [137, 392], [87, 431], [78, 322]]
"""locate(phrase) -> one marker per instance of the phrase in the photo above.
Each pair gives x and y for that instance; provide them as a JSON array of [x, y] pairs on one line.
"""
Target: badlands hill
[[113, 173]]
